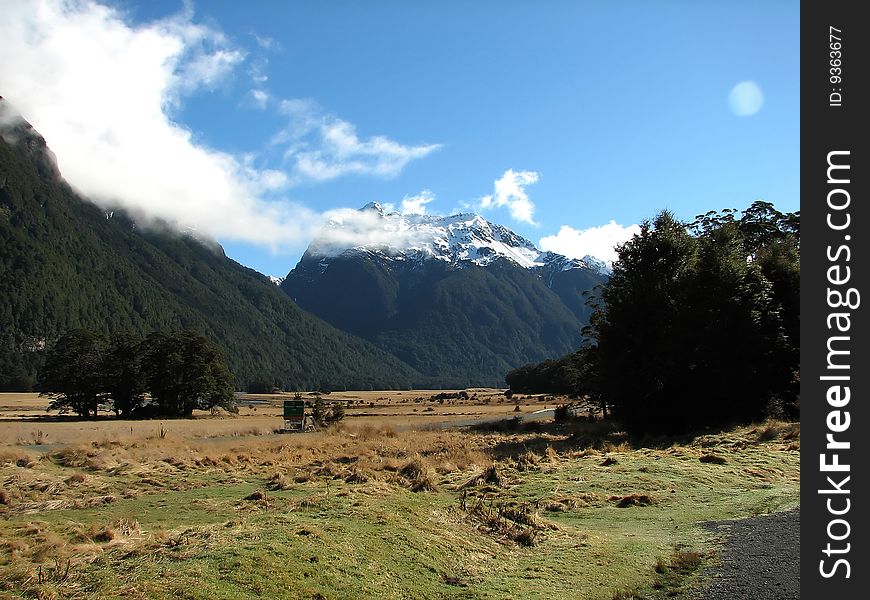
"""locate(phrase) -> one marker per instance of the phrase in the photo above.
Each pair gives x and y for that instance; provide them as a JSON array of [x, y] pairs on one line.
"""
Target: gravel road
[[760, 558]]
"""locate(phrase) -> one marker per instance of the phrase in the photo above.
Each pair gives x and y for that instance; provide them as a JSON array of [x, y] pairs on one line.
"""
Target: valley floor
[[372, 509]]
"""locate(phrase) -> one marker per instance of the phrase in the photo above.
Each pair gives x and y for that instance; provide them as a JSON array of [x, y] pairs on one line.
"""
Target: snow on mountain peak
[[597, 264], [460, 239], [373, 206]]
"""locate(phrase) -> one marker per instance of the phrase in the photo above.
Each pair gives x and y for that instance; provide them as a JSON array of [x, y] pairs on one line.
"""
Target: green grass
[[332, 539]]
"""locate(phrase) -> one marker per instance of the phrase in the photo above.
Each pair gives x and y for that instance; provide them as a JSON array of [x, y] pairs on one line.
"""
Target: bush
[[561, 414], [337, 413]]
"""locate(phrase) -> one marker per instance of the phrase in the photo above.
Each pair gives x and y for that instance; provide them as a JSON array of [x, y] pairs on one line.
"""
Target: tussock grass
[[279, 481], [528, 461], [632, 500], [490, 475], [424, 513], [419, 475], [75, 478], [18, 458], [773, 430], [713, 459]]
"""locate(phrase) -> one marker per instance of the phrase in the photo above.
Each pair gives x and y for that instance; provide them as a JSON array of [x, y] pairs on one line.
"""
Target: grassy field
[[24, 420], [379, 507]]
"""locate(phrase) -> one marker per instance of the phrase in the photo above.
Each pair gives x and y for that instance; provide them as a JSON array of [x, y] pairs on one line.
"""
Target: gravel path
[[760, 558]]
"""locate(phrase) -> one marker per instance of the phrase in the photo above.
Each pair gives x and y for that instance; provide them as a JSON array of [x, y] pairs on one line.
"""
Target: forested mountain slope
[[65, 263]]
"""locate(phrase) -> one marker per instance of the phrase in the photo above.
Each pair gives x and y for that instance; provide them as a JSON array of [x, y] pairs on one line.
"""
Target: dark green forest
[[698, 325], [67, 264], [458, 325]]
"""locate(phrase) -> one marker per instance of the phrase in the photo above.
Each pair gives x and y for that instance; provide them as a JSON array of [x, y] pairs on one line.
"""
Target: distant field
[[24, 420], [381, 506]]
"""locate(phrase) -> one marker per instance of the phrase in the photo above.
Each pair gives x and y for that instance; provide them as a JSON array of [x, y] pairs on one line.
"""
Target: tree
[[262, 386], [186, 371], [122, 375], [337, 413], [690, 331], [698, 325], [740, 350], [642, 351], [324, 416], [771, 241], [318, 411], [72, 375]]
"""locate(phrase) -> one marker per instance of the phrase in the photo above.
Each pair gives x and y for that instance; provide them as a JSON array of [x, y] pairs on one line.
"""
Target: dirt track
[[760, 558]]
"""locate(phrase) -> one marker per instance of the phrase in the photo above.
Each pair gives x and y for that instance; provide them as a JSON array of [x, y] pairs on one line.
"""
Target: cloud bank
[[102, 92], [594, 241], [349, 228]]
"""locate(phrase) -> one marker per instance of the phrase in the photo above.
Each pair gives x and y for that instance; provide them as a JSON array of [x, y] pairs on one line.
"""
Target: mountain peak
[[374, 207], [16, 131], [460, 239]]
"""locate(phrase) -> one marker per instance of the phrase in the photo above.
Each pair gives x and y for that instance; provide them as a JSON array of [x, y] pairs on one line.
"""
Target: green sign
[[294, 408]]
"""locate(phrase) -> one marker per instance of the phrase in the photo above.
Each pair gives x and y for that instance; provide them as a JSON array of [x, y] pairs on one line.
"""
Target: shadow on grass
[[580, 433]]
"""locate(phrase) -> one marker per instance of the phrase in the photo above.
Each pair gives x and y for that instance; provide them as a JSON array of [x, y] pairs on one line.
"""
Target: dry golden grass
[[25, 422], [518, 488]]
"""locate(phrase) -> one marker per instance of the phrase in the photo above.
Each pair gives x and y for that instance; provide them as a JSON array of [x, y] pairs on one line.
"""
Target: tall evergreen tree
[[186, 371], [72, 375], [123, 379], [642, 350]]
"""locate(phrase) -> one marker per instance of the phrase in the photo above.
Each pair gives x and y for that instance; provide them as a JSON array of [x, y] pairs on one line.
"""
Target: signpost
[[295, 419]]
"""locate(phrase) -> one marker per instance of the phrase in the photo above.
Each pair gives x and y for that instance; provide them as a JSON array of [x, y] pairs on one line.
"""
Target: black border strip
[[834, 247]]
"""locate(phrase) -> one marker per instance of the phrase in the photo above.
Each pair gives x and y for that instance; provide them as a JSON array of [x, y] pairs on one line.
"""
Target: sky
[[255, 122]]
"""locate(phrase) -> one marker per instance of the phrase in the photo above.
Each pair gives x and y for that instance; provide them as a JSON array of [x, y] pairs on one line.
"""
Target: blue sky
[[612, 110]]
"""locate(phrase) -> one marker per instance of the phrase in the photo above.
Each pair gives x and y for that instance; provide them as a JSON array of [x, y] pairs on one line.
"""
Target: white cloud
[[510, 191], [321, 146], [99, 90], [257, 70], [745, 99], [594, 241], [410, 205], [349, 228], [264, 41], [202, 56], [416, 205], [260, 99], [102, 93]]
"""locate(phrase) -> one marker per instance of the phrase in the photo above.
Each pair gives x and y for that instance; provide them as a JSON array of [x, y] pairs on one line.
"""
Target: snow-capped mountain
[[459, 298], [461, 240]]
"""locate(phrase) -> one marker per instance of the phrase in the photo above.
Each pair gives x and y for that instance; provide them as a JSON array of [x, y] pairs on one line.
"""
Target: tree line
[[167, 373], [698, 325]]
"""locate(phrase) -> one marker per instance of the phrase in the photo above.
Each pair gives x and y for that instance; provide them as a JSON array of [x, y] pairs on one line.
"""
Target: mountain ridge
[[65, 263], [458, 298], [459, 238]]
